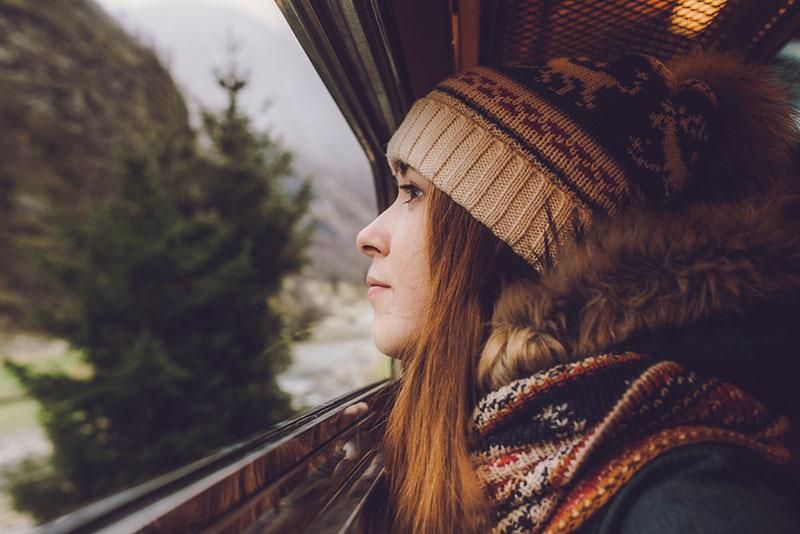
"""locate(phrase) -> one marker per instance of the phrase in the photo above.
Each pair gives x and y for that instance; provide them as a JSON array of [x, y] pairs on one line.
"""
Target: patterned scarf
[[558, 444]]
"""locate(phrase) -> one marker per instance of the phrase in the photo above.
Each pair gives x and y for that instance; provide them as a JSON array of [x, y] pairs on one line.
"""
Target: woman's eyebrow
[[402, 168], [400, 171], [396, 178]]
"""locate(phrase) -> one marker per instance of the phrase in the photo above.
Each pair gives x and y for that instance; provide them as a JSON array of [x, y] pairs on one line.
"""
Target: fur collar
[[715, 287]]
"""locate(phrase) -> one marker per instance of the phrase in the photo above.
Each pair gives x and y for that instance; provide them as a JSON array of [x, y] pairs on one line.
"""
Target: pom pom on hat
[[751, 145]]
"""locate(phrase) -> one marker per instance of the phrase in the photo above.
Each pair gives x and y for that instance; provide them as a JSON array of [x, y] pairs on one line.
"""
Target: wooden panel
[[424, 29], [466, 16]]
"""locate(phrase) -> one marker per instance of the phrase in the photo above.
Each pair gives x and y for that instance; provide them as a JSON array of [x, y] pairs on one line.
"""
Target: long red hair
[[431, 485]]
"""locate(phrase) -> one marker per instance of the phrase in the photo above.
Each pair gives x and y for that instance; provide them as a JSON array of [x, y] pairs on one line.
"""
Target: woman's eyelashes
[[412, 190]]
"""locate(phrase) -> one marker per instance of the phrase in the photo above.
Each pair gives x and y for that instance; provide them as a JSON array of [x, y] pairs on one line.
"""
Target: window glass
[[789, 58], [179, 200]]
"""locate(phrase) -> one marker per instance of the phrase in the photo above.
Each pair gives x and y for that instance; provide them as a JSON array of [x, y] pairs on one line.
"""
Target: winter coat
[[646, 383], [712, 288]]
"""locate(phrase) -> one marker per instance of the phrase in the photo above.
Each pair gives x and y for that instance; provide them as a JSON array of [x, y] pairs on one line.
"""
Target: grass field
[[18, 414], [44, 354]]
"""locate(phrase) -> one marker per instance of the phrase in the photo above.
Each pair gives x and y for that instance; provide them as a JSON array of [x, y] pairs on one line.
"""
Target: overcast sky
[[265, 10]]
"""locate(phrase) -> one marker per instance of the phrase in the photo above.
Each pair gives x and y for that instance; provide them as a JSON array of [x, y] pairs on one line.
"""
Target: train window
[[181, 196]]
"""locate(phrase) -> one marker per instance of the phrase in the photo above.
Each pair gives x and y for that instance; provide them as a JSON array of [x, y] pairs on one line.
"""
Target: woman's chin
[[387, 349], [387, 343]]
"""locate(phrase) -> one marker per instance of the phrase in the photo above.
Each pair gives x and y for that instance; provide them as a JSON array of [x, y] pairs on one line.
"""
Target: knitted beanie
[[539, 154]]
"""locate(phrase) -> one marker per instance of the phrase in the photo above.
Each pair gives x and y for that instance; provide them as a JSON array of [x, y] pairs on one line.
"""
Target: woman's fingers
[[350, 414], [356, 410]]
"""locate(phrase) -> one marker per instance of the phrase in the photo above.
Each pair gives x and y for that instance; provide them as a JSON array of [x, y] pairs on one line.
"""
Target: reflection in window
[[137, 200]]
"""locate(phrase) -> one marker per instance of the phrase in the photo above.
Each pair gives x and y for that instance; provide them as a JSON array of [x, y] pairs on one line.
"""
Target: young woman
[[591, 274]]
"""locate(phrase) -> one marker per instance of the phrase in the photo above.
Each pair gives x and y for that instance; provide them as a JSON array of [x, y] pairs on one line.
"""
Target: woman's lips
[[375, 290]]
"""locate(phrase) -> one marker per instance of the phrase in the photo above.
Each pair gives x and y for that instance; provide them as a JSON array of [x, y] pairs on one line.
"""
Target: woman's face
[[398, 277]]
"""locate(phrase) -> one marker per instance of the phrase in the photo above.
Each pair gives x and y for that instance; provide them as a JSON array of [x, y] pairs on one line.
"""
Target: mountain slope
[[75, 92]]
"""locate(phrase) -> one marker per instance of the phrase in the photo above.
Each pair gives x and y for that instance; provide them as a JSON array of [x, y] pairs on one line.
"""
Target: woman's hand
[[351, 414], [351, 446]]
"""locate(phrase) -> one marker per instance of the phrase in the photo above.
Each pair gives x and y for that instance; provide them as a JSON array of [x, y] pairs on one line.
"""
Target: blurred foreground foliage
[[170, 287]]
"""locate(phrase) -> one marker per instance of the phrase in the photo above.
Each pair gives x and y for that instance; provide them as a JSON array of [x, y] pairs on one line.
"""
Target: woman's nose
[[372, 239]]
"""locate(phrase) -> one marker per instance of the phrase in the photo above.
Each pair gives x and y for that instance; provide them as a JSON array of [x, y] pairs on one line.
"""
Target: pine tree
[[170, 287]]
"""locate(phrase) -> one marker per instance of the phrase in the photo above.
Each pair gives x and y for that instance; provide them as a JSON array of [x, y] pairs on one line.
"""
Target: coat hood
[[713, 287]]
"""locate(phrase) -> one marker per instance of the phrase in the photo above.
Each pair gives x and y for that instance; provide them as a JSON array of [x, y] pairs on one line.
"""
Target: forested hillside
[[76, 92]]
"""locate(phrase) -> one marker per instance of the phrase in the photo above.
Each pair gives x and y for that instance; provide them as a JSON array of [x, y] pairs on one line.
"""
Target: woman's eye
[[412, 190]]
